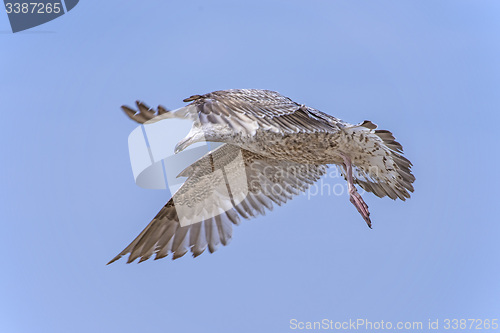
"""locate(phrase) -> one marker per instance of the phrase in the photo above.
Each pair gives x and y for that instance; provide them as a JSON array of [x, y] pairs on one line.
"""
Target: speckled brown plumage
[[280, 145]]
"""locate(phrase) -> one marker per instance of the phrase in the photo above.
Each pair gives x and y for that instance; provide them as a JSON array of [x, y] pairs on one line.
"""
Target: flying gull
[[282, 147]]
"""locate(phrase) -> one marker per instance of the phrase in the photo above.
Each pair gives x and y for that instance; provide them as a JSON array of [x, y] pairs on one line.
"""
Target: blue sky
[[429, 71]]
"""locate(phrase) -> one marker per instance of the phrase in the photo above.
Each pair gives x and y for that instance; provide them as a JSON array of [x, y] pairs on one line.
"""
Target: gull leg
[[355, 197]]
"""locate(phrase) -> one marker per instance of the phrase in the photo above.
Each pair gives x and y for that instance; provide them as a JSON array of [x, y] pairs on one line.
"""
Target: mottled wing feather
[[246, 110], [268, 181], [143, 113]]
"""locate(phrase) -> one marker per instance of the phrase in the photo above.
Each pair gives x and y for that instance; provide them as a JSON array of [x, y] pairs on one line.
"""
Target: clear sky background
[[429, 71]]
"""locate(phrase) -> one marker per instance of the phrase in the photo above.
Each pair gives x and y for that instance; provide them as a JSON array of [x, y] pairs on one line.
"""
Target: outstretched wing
[[143, 113], [214, 197], [244, 111]]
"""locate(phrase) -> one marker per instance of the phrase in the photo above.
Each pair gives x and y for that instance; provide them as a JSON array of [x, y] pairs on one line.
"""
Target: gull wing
[[209, 201]]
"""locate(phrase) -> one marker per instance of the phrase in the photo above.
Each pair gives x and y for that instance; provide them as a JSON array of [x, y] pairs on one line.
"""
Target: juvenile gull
[[284, 147]]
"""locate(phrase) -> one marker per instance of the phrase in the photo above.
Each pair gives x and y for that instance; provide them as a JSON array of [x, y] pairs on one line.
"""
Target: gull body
[[283, 145]]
